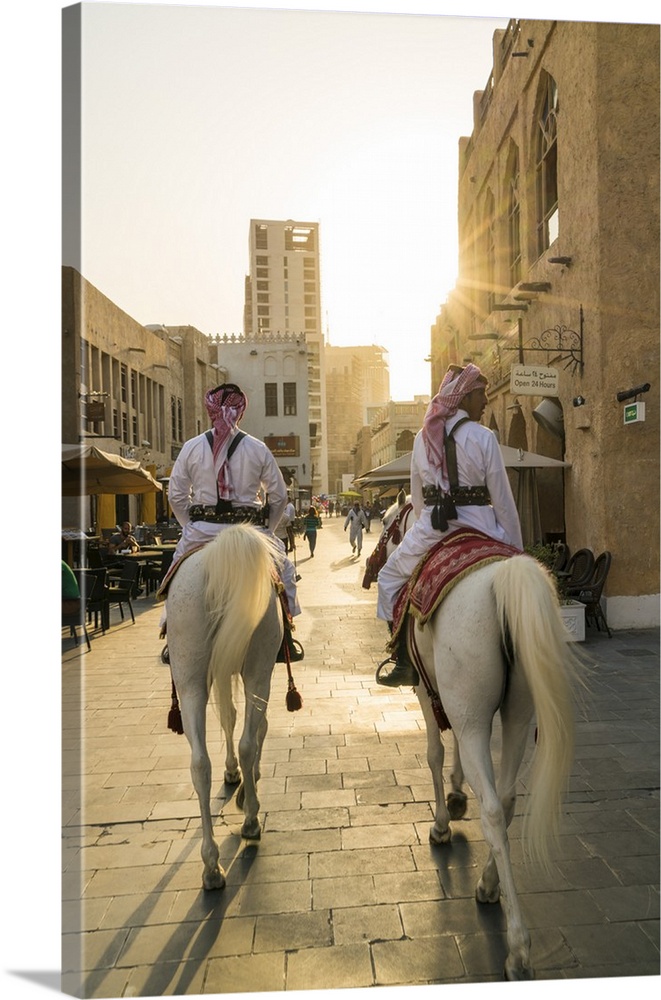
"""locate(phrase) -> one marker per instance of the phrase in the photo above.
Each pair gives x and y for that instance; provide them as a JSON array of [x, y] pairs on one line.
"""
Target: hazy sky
[[197, 119]]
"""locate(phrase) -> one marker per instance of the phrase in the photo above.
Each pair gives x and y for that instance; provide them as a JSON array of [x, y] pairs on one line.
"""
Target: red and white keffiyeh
[[225, 406], [455, 385]]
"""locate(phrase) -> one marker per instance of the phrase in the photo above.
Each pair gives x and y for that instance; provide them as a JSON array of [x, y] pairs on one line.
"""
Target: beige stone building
[[559, 269], [134, 391], [357, 379]]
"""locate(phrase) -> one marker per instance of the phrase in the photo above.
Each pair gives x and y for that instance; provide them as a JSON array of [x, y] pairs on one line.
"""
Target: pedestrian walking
[[355, 521], [311, 524]]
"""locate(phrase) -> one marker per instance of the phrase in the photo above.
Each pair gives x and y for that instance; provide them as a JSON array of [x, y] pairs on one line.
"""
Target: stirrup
[[296, 651], [165, 655], [402, 674]]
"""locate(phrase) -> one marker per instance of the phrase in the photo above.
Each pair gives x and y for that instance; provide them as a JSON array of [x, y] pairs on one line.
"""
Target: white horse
[[497, 643], [225, 620]]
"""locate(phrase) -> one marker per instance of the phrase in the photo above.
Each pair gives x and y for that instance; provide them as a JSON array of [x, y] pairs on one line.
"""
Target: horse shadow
[[191, 937]]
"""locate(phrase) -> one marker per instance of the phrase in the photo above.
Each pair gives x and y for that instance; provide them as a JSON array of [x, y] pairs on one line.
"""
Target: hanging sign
[[634, 413], [533, 380]]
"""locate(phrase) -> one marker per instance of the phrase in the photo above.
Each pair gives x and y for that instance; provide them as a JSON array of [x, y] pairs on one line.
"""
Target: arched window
[[546, 161], [513, 217]]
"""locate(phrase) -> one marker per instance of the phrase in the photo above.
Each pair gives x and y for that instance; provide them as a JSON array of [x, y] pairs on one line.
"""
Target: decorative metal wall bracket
[[557, 340]]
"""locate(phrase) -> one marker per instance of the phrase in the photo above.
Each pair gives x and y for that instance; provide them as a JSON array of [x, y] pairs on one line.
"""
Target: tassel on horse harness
[[174, 715]]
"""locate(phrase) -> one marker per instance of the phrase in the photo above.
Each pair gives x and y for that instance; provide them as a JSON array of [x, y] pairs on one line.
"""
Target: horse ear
[[401, 498]]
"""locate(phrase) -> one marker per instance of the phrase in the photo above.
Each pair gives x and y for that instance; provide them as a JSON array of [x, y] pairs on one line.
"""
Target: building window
[[125, 428], [289, 399], [263, 311], [261, 237], [271, 399], [514, 218], [262, 296], [299, 238], [262, 261], [173, 418], [123, 381], [262, 272], [262, 286], [547, 165], [490, 253], [115, 423], [180, 421], [134, 429], [83, 365]]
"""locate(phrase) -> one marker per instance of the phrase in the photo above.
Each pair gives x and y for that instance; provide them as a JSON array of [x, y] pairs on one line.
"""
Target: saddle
[[454, 557]]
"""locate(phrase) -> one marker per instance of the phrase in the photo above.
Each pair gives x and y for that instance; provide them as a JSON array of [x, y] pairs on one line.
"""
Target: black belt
[[200, 512], [461, 496]]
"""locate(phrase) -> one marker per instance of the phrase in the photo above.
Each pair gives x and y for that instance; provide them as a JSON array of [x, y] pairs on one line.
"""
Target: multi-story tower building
[[283, 296], [357, 378]]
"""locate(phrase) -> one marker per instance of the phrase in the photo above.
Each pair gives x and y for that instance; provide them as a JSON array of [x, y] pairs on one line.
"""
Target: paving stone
[[264, 973], [431, 960], [311, 929], [344, 888], [341, 967]]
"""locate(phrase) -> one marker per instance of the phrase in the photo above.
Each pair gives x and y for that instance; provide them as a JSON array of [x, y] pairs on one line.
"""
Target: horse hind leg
[[457, 800], [493, 816], [257, 672], [232, 774], [194, 719], [439, 832]]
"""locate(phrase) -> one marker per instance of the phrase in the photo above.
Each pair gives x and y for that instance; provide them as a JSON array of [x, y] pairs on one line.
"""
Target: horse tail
[[529, 615], [239, 566]]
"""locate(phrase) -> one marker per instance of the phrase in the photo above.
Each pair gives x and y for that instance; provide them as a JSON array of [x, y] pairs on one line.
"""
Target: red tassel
[[174, 715], [174, 721], [293, 699]]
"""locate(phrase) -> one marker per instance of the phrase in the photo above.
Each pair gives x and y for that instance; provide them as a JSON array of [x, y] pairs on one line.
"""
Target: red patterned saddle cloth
[[449, 561]]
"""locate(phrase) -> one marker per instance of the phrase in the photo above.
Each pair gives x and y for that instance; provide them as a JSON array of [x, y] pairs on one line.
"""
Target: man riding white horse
[[452, 445], [218, 479]]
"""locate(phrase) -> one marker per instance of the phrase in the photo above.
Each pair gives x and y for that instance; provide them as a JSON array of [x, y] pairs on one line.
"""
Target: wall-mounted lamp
[[578, 401], [632, 393], [254, 353], [516, 406]]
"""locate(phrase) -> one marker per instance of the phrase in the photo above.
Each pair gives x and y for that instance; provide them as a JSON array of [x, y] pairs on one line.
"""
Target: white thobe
[[356, 523], [479, 463], [254, 476]]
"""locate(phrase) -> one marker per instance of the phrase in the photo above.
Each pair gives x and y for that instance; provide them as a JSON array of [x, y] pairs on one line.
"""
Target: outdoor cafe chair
[[155, 570], [92, 585], [590, 593], [578, 572], [75, 621], [121, 590]]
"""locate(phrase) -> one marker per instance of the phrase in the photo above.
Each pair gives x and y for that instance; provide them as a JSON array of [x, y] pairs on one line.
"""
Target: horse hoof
[[457, 803], [484, 895], [251, 830], [232, 777], [517, 971], [440, 836], [214, 879]]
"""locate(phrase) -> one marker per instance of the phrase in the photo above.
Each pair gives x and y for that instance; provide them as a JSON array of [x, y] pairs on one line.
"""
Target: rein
[[393, 533]]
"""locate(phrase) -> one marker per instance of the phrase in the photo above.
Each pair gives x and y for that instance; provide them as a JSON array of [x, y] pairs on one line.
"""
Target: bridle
[[393, 533]]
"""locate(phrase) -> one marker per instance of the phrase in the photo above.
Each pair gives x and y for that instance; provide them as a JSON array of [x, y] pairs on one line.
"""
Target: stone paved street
[[344, 888]]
